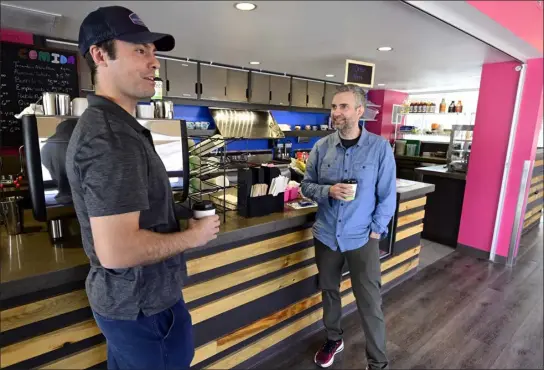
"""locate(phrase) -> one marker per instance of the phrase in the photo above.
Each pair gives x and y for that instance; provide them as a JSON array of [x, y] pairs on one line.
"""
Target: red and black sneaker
[[325, 356]]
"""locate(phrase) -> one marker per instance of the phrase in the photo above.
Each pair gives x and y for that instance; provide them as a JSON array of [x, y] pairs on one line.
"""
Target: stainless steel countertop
[[441, 171]]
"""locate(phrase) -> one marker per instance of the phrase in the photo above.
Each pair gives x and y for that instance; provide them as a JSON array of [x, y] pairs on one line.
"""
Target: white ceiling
[[306, 38]]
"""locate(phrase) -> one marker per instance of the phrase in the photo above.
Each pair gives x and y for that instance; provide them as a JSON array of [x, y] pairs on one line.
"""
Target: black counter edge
[[416, 193], [16, 288], [249, 232]]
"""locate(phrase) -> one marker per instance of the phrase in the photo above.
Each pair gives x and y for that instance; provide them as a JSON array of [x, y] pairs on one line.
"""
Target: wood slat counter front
[[250, 293], [533, 210]]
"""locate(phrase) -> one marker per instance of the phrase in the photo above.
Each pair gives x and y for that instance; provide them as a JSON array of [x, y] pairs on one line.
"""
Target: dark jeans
[[160, 341], [365, 273]]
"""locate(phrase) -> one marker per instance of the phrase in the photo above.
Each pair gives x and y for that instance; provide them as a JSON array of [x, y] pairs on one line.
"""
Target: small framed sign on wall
[[360, 73]]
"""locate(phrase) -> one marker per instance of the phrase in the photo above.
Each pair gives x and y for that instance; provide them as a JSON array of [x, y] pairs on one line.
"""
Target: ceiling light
[[329, 75], [385, 48], [381, 84], [255, 63], [245, 6]]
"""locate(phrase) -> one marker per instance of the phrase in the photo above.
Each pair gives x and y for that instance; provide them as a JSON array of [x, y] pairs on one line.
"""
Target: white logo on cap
[[136, 20]]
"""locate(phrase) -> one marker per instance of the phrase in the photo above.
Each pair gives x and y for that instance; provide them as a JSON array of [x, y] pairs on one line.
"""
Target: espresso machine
[[46, 139]]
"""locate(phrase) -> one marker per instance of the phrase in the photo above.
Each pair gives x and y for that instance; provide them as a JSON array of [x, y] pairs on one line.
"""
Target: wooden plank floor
[[458, 313]]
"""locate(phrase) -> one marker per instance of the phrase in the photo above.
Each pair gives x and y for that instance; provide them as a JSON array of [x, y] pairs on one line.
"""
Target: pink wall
[[385, 98], [491, 131], [19, 37], [491, 134], [523, 18], [524, 148], [377, 97]]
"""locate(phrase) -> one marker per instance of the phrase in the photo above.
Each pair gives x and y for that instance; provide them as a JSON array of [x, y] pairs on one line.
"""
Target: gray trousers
[[365, 273]]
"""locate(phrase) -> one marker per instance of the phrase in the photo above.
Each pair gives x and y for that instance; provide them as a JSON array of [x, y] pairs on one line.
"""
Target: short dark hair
[[109, 47]]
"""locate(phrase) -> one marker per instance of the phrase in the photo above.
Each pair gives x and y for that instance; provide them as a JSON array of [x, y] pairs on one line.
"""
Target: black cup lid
[[205, 205], [350, 181]]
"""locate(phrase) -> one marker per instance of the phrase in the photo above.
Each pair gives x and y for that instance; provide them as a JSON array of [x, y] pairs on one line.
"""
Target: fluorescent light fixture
[[385, 48], [381, 84], [31, 10], [245, 6], [255, 63], [329, 75]]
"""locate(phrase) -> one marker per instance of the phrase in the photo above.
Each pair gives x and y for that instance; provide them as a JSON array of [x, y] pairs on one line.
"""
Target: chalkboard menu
[[359, 73], [26, 72]]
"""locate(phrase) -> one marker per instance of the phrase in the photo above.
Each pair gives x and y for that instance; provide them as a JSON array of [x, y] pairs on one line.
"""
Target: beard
[[342, 124]]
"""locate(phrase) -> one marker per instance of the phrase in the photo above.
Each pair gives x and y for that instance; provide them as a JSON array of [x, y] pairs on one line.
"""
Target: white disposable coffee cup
[[203, 209], [78, 106], [353, 185], [145, 111]]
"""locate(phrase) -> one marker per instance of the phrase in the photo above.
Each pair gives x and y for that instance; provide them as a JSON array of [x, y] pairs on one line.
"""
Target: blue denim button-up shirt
[[347, 225]]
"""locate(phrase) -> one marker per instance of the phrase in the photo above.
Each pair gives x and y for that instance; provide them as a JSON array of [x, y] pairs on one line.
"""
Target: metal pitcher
[[158, 108], [11, 211], [168, 109], [56, 104]]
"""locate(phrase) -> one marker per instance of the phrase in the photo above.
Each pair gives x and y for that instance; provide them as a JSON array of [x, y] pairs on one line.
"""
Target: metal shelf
[[307, 133], [434, 114], [200, 133]]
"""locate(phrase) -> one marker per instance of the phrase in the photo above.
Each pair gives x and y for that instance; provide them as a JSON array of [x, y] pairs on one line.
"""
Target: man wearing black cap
[[122, 196]]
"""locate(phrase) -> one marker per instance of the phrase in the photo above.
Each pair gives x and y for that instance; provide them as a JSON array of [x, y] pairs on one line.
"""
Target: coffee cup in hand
[[203, 209], [353, 184]]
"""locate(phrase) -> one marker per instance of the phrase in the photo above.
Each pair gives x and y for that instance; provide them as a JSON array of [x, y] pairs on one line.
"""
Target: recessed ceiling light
[[255, 63], [329, 75], [385, 48], [245, 6], [381, 84]]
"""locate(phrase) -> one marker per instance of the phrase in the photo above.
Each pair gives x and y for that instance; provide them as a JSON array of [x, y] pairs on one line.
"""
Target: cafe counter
[[251, 292]]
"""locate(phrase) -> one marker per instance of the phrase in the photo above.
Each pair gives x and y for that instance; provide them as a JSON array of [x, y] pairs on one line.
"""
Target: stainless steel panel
[[237, 85], [330, 90], [299, 93], [214, 82], [518, 217], [280, 88], [260, 88], [316, 92], [182, 79], [233, 123]]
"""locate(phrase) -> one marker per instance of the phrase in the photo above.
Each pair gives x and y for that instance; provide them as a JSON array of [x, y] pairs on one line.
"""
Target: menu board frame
[[350, 76], [22, 82]]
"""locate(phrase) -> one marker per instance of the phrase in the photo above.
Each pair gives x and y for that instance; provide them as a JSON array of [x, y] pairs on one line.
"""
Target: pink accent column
[[528, 128], [491, 134], [386, 98]]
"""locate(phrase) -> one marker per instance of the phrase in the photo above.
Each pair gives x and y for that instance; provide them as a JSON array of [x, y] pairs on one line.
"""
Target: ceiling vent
[[29, 20]]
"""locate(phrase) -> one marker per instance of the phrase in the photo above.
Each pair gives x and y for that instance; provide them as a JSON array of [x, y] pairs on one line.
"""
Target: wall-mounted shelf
[[434, 114], [199, 133], [307, 133]]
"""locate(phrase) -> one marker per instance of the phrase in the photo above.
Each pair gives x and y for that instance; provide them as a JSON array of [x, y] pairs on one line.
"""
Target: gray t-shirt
[[113, 168]]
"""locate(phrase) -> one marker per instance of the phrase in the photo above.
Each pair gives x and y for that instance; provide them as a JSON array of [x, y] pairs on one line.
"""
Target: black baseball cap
[[119, 23]]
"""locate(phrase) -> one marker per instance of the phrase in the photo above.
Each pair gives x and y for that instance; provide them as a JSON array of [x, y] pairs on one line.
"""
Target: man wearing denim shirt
[[348, 229]]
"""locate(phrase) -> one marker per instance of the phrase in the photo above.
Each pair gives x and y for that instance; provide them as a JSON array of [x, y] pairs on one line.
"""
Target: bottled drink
[[158, 86], [451, 108], [459, 107], [443, 106]]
